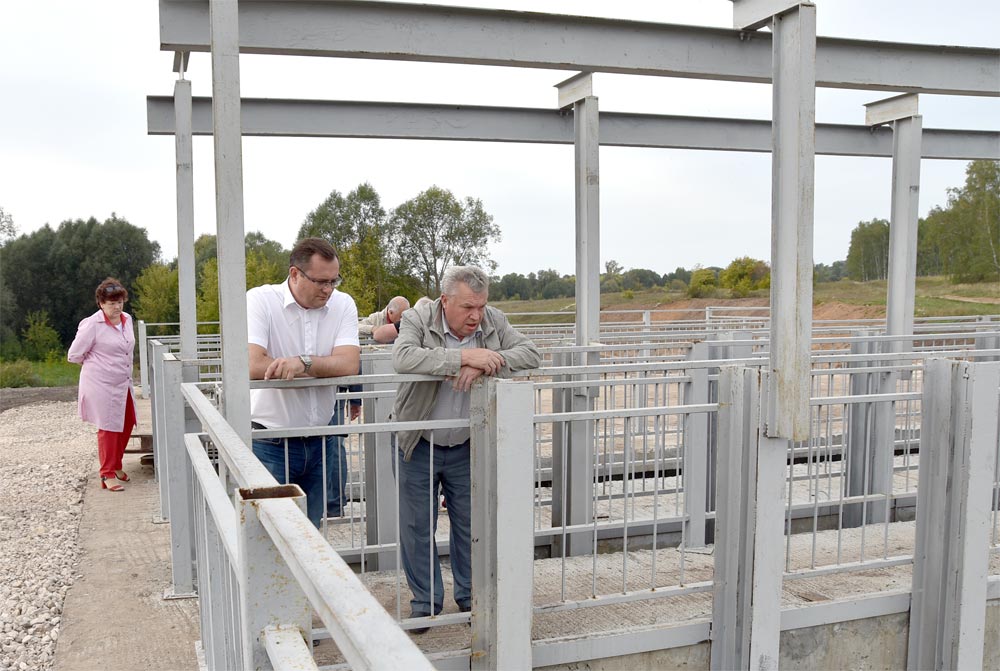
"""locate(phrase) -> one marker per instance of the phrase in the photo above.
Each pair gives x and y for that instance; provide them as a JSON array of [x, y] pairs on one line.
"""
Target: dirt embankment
[[694, 308]]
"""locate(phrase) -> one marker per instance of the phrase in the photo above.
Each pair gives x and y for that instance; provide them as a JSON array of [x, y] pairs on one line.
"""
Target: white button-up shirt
[[284, 328]]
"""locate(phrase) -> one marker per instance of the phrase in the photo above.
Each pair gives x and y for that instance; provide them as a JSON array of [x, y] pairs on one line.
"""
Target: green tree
[[155, 296], [744, 275], [434, 231], [967, 233], [703, 283], [40, 340], [868, 254], [68, 263], [359, 228], [640, 278], [207, 309]]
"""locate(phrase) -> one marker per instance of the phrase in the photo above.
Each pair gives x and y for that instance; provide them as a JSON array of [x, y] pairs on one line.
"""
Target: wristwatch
[[306, 361]]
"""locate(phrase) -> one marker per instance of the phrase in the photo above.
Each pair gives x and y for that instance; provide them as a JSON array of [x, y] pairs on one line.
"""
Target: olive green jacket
[[420, 349]]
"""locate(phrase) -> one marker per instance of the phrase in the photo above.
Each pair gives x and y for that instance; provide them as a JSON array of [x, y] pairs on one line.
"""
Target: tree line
[[47, 277], [960, 240]]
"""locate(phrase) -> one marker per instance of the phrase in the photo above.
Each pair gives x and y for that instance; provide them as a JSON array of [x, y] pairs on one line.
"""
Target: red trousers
[[111, 444]]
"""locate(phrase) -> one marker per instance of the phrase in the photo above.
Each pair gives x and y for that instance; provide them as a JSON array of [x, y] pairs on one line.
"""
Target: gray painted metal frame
[[749, 520], [502, 542], [958, 445], [229, 214], [792, 192], [396, 31], [270, 117]]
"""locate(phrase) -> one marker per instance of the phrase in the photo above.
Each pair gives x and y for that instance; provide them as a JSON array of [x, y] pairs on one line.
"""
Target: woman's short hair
[[473, 276], [110, 290]]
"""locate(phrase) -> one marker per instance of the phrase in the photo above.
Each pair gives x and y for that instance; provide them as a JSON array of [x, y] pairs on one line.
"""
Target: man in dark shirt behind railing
[[460, 337]]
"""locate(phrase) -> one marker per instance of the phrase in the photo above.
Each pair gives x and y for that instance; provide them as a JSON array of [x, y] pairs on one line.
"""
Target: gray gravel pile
[[46, 455]]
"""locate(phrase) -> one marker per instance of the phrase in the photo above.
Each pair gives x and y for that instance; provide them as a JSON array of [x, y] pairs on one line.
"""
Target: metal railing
[[623, 484]]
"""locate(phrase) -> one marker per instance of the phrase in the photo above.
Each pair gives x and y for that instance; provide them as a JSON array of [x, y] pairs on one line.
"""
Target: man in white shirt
[[303, 327]]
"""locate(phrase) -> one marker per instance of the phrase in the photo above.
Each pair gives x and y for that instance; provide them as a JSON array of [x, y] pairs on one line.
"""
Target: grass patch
[[23, 373]]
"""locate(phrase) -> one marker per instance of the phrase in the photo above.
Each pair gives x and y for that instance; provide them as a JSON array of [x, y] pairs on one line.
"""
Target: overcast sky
[[74, 77]]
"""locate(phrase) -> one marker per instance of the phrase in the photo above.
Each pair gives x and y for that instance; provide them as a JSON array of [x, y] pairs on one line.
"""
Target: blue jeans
[[336, 467], [420, 484], [305, 467]]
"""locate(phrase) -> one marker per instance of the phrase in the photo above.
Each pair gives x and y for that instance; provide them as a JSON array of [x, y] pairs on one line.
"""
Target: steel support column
[[229, 215], [906, 138], [958, 443], [186, 299], [746, 611], [792, 180], [577, 91]]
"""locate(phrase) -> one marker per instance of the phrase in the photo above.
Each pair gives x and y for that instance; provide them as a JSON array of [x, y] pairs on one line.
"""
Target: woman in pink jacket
[[103, 344]]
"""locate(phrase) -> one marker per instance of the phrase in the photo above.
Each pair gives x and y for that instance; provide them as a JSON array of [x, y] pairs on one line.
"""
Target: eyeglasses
[[112, 289], [330, 284]]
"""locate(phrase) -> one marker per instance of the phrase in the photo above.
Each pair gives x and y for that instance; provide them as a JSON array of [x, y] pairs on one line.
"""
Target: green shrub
[[40, 340], [628, 294], [703, 284], [17, 374]]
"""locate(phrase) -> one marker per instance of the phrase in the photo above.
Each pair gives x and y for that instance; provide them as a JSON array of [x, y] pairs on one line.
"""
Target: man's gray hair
[[473, 276], [398, 304]]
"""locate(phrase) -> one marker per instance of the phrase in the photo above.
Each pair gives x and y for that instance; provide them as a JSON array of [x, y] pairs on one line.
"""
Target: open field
[[935, 297]]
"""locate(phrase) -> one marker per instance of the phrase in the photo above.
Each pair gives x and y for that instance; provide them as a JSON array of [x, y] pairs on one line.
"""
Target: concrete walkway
[[115, 616]]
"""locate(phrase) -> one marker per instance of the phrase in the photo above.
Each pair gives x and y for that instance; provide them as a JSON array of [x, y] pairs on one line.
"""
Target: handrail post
[[958, 445], [178, 476], [269, 591], [502, 432], [143, 361], [381, 510], [696, 451], [746, 611], [157, 350]]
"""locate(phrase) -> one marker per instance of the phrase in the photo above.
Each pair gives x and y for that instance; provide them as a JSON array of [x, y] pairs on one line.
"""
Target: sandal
[[123, 477], [113, 487]]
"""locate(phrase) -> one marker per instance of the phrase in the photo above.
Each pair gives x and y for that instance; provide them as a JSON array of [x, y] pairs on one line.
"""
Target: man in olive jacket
[[460, 337]]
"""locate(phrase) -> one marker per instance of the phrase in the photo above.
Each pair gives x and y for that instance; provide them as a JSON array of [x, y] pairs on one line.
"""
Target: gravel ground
[[46, 454]]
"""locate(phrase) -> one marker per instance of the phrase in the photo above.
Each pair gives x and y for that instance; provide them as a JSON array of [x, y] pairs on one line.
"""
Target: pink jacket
[[106, 378]]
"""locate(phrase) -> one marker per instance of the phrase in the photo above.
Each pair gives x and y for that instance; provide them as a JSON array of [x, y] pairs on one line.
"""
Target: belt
[[438, 446]]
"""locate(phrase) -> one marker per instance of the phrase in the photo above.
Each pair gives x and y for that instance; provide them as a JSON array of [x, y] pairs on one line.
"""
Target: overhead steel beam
[[406, 121], [395, 31]]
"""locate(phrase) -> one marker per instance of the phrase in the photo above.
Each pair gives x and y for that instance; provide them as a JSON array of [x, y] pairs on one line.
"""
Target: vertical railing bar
[[394, 442], [790, 470], [845, 476], [870, 435], [595, 497], [657, 482], [814, 467], [562, 545], [435, 502]]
